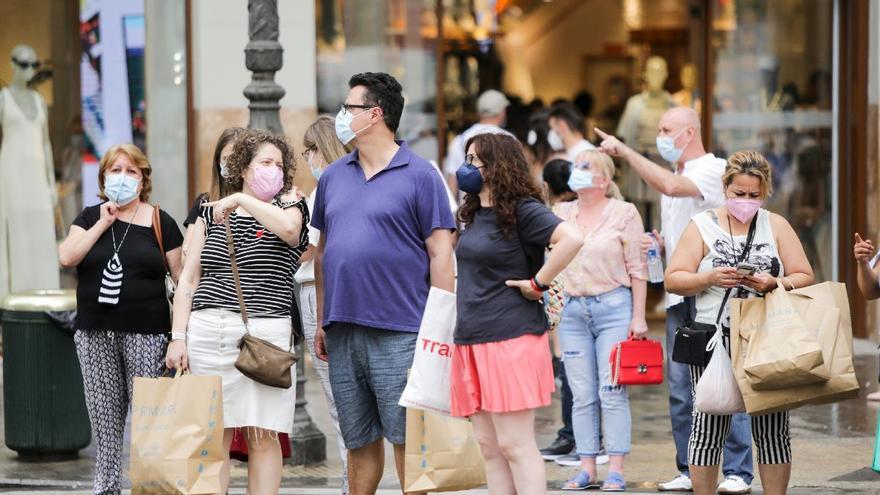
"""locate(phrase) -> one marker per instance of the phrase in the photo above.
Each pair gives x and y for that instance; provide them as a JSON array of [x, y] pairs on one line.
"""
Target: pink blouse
[[612, 251]]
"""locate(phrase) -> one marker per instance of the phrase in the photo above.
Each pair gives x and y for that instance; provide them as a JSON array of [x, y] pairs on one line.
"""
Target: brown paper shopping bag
[[442, 454], [176, 435], [821, 305], [782, 352]]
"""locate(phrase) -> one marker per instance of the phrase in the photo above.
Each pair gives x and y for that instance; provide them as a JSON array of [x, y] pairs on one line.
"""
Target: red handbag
[[637, 362]]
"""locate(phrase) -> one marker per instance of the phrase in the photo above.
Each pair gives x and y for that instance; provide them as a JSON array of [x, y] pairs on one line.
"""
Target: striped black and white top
[[266, 265]]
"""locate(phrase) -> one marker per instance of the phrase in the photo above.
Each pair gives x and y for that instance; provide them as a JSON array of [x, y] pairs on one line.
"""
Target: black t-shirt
[[195, 210], [488, 310], [142, 306]]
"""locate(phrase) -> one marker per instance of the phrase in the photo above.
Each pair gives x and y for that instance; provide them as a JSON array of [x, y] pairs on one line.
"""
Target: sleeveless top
[[763, 255], [28, 253], [266, 265]]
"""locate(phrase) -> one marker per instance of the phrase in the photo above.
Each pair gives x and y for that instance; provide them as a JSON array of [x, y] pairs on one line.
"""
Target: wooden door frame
[[852, 146]]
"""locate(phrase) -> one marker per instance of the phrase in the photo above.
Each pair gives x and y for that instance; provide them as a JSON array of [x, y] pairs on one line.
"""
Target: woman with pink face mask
[[266, 220], [714, 262]]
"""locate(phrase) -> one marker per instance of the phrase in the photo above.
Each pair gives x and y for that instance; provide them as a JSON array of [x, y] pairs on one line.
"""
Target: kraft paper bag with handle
[[821, 305], [177, 435], [782, 352], [442, 454], [428, 384]]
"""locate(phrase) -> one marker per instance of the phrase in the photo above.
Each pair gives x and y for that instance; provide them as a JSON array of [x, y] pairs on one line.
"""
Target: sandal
[[614, 483], [581, 481]]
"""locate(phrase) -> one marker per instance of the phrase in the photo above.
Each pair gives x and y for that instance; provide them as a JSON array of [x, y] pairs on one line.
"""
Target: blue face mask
[[120, 188], [667, 149], [343, 125], [469, 178], [580, 179]]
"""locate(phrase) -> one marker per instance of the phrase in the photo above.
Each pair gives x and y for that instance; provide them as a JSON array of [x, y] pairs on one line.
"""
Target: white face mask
[[532, 138], [555, 140]]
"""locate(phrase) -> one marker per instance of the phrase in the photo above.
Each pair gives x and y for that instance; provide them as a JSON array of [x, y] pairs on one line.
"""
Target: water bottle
[[655, 264]]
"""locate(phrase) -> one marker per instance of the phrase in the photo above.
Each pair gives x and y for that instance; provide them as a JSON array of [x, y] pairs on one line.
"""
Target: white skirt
[[212, 344]]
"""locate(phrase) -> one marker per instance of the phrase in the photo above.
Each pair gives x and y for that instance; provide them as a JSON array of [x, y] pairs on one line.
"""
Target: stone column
[[263, 57]]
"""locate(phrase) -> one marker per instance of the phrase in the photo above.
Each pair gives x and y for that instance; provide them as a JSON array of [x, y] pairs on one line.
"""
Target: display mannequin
[[689, 95], [28, 254], [638, 129]]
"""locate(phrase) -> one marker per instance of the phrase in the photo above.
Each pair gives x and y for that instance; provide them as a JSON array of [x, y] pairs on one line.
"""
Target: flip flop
[[614, 483], [581, 481]]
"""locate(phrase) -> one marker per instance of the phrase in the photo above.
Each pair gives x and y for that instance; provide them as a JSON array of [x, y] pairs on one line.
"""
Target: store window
[[396, 36], [773, 93]]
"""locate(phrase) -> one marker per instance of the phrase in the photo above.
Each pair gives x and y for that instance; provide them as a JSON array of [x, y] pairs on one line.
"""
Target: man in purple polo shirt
[[386, 237]]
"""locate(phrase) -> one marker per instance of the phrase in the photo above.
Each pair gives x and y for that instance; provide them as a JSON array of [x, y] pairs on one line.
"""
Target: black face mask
[[469, 178]]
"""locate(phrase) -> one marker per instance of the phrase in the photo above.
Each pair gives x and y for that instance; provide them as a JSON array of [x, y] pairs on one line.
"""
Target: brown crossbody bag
[[258, 359]]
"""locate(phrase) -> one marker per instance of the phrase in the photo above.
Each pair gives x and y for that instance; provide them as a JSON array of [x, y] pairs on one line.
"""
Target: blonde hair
[[321, 135], [138, 159], [751, 163], [606, 166]]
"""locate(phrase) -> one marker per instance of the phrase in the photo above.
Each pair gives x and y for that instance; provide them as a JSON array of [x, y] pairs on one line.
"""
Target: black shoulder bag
[[689, 346]]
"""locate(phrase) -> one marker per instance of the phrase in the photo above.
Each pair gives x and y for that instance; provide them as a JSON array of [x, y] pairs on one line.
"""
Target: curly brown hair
[[506, 174], [245, 149]]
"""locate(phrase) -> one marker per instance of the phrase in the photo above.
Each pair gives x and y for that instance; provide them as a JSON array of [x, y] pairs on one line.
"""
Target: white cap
[[491, 103]]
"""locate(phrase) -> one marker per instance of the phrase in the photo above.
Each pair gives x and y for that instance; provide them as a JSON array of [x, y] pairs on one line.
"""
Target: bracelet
[[178, 336], [537, 287]]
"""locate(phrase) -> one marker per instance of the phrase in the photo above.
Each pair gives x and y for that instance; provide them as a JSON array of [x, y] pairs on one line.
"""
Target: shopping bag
[[442, 454], [428, 384], [717, 391], [820, 305], [782, 352], [177, 435]]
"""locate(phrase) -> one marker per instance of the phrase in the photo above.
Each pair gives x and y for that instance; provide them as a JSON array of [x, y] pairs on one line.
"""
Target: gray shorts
[[368, 368]]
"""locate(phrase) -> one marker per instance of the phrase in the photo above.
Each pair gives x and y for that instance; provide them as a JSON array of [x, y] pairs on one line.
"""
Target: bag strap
[[230, 245], [745, 252], [157, 231]]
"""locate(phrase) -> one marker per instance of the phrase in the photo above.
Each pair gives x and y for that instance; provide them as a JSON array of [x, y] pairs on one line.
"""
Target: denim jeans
[[590, 328], [738, 448]]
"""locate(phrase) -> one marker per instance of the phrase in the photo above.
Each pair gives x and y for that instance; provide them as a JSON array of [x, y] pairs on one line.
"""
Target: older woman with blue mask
[[122, 314], [605, 289]]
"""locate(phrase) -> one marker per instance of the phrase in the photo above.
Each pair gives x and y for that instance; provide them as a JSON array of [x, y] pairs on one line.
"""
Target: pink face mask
[[267, 181], [743, 209]]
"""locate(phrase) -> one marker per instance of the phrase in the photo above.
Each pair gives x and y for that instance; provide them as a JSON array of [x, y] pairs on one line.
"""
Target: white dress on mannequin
[[28, 253]]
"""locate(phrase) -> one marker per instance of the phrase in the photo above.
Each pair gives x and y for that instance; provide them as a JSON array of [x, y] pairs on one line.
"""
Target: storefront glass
[[773, 93], [394, 36]]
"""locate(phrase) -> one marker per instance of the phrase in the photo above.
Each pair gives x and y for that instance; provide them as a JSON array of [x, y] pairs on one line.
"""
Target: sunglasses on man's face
[[24, 64]]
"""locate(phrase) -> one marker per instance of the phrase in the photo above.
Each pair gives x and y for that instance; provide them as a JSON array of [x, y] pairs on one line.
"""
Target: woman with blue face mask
[[605, 289], [322, 147], [122, 314]]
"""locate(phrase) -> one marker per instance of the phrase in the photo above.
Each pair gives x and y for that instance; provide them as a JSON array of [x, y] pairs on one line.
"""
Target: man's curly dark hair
[[506, 175], [245, 149]]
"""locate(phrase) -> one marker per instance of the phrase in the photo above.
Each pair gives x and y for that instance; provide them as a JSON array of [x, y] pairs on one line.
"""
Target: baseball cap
[[491, 102]]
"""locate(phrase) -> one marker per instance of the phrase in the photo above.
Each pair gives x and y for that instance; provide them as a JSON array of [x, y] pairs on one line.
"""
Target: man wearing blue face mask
[[693, 187], [386, 238]]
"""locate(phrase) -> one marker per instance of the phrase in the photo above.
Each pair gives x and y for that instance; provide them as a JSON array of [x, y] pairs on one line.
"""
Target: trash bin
[[43, 403]]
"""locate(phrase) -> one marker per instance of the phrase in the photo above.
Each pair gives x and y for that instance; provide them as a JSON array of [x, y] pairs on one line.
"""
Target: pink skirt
[[511, 375]]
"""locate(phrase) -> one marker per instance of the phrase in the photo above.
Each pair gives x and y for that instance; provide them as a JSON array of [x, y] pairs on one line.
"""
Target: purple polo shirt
[[375, 264]]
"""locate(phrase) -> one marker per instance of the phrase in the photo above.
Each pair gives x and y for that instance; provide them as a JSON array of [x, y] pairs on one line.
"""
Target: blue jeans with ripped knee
[[590, 327]]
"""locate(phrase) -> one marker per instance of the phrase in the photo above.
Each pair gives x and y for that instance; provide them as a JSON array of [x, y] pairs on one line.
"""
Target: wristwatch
[[178, 336]]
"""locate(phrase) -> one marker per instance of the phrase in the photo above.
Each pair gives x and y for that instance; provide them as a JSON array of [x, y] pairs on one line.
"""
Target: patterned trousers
[[109, 361], [770, 432]]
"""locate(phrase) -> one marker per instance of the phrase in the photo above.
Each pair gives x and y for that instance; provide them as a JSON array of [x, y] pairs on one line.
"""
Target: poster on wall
[[112, 81]]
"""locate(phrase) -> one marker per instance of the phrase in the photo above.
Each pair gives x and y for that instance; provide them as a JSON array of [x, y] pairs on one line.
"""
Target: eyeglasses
[[346, 107], [310, 149], [469, 159], [24, 64]]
